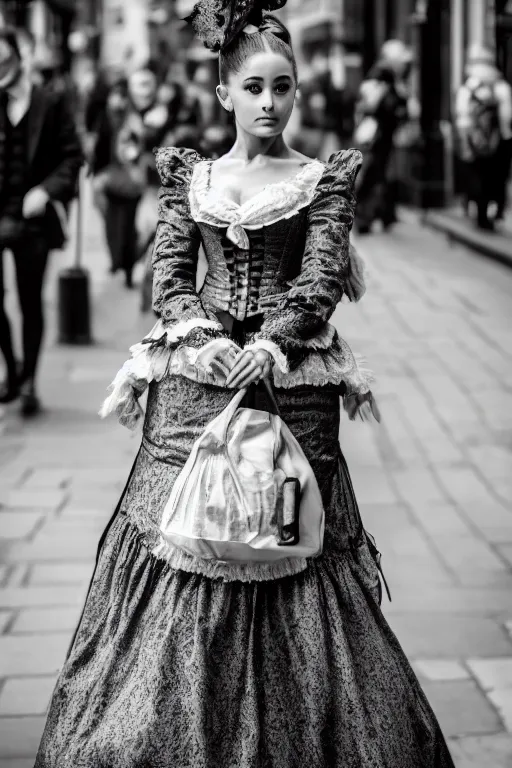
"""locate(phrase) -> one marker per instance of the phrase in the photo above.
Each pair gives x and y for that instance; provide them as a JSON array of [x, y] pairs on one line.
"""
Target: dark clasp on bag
[[288, 513]]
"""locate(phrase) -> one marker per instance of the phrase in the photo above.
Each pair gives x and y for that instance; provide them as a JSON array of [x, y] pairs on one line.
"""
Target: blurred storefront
[[439, 32], [50, 21]]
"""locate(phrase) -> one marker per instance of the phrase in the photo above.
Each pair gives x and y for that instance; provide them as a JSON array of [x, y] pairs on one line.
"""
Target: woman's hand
[[249, 366]]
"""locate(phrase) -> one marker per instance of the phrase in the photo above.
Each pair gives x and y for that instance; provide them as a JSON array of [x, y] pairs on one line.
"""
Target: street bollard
[[73, 291]]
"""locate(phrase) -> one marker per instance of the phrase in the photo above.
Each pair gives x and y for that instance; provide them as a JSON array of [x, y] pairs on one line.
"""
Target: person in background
[[382, 107], [483, 120], [119, 177], [40, 158]]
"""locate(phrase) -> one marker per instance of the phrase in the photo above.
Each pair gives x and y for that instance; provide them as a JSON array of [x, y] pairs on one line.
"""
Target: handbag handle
[[271, 396], [234, 404]]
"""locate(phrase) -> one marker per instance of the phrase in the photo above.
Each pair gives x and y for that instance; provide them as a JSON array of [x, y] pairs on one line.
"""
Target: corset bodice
[[238, 278], [253, 250]]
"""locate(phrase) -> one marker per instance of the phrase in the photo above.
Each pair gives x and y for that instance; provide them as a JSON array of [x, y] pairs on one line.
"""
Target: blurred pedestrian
[[40, 157], [380, 110], [119, 178], [483, 119]]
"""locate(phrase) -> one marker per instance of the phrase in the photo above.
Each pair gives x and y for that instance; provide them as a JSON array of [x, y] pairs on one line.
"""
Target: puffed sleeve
[[302, 312], [177, 242]]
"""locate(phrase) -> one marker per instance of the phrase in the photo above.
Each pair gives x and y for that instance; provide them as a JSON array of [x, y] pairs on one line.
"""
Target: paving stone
[[464, 553], [419, 484], [459, 600], [505, 551], [59, 573], [35, 597], [5, 618], [492, 673], [81, 511], [18, 575], [462, 708], [16, 525], [26, 696], [444, 636], [99, 477], [47, 479], [33, 621], [502, 700], [493, 751], [441, 670], [20, 736], [371, 486], [33, 499], [62, 547], [35, 655]]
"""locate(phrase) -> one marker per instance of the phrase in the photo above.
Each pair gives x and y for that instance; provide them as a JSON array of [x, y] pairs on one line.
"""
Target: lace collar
[[278, 200]]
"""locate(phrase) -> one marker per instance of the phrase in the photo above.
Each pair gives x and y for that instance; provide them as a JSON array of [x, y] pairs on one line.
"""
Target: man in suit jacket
[[40, 158]]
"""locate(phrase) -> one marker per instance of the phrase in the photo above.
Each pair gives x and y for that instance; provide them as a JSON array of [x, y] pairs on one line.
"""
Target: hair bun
[[218, 22]]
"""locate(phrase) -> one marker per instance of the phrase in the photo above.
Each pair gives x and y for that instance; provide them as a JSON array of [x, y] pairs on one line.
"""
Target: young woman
[[192, 663]]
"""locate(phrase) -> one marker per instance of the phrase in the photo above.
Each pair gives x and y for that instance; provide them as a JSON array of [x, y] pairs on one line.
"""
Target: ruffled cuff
[[174, 333], [196, 348], [270, 346]]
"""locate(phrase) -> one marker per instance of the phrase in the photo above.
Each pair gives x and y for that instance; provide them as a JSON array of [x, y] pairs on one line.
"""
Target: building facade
[[440, 33]]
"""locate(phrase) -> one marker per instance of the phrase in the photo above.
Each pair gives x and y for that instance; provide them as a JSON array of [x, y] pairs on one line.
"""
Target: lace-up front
[[240, 269]]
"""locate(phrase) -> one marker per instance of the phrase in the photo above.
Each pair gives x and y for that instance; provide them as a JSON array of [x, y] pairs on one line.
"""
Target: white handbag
[[247, 493]]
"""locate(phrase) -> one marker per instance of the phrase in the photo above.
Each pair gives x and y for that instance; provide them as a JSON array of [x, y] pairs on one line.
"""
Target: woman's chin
[[266, 130]]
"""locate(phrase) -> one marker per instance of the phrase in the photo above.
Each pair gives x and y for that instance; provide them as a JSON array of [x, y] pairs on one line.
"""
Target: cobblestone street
[[434, 482]]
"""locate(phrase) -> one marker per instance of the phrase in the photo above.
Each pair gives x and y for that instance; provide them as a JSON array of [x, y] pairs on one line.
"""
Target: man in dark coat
[[40, 158]]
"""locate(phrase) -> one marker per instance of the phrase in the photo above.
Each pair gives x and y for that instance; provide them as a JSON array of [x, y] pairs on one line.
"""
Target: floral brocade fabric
[[217, 667]]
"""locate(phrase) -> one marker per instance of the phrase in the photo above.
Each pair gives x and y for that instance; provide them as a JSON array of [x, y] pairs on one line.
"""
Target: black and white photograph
[[255, 384]]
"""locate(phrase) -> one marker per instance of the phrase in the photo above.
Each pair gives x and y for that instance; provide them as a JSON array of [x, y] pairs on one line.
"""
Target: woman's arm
[[177, 243], [302, 312]]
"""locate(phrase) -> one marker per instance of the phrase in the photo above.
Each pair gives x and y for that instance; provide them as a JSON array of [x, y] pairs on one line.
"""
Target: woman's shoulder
[[175, 165], [344, 161], [340, 172]]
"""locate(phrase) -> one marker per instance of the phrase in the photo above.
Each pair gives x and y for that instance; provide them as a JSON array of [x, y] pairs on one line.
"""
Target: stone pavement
[[434, 483]]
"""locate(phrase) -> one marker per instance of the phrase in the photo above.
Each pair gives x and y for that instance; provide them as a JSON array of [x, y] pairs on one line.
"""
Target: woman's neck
[[247, 147]]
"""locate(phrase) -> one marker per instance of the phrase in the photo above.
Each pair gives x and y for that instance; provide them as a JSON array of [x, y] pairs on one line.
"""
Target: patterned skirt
[[176, 669]]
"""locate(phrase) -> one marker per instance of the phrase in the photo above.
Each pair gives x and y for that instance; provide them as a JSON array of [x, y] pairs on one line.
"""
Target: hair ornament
[[218, 22]]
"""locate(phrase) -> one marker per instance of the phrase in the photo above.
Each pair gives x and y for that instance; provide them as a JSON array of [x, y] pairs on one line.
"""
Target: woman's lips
[[268, 119]]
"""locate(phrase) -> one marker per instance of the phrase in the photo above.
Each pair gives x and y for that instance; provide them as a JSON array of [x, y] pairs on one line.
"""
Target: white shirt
[[19, 100]]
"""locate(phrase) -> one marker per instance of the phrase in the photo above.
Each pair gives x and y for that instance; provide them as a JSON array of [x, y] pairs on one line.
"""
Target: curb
[[494, 245]]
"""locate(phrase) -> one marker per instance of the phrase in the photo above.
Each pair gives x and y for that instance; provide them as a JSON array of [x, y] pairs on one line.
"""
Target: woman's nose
[[268, 101]]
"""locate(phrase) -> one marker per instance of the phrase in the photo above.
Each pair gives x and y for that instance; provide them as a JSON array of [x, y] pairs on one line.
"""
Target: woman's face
[[263, 94]]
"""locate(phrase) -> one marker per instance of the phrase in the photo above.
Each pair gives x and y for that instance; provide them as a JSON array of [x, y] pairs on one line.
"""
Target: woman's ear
[[298, 96], [223, 97]]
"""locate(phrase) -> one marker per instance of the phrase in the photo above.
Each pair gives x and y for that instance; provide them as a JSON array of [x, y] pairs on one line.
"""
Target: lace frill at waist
[[329, 361]]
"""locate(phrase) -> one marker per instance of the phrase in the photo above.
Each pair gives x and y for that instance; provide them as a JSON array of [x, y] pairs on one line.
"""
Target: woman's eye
[[282, 88], [253, 88]]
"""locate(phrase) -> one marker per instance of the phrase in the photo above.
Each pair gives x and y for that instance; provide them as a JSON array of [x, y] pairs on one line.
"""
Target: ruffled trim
[[174, 164], [149, 362], [330, 362], [215, 569], [335, 364], [277, 201]]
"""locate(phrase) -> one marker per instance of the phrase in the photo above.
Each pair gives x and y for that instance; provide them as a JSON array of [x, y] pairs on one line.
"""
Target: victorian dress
[[179, 662]]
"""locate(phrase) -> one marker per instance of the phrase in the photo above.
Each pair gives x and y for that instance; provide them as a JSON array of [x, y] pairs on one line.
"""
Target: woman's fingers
[[246, 375], [242, 360]]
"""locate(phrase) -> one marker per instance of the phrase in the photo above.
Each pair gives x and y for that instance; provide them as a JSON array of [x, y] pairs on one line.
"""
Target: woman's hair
[[271, 35]]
